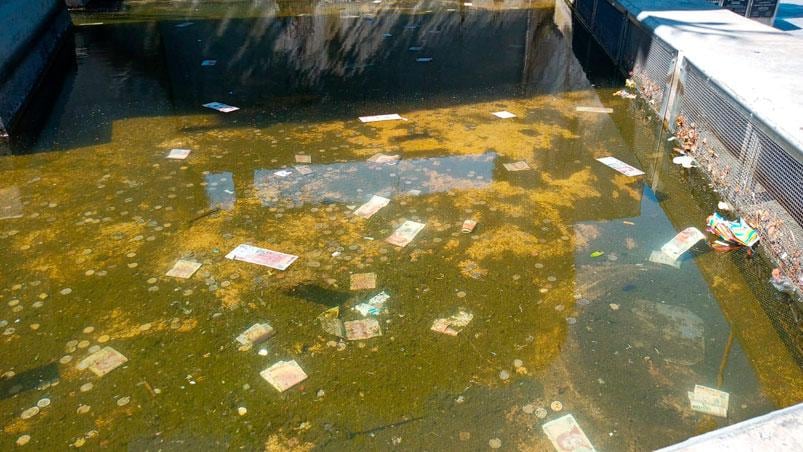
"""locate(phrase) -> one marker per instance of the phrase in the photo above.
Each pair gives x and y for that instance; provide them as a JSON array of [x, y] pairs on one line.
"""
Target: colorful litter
[[733, 233]]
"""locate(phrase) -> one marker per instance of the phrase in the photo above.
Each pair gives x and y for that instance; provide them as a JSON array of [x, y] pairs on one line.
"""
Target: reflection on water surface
[[94, 215]]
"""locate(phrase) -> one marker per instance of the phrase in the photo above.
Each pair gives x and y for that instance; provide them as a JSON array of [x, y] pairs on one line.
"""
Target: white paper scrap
[[377, 118], [620, 166], [221, 107], [503, 114], [594, 109], [179, 154]]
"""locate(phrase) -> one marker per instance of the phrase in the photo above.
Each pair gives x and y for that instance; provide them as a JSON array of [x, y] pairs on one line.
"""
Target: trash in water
[[283, 173], [415, 48], [255, 334], [384, 158], [594, 109], [179, 154], [377, 118], [709, 401], [221, 107], [685, 161], [423, 60], [624, 94], [373, 306], [597, 253], [362, 329], [102, 361], [736, 232], [781, 282], [629, 83], [303, 158], [303, 169], [284, 375], [516, 166], [566, 435], [183, 269], [468, 226], [660, 258], [10, 204], [682, 242], [261, 256], [503, 114], [363, 281], [331, 323], [620, 166], [371, 207], [405, 233], [208, 62], [724, 206], [452, 325], [183, 24]]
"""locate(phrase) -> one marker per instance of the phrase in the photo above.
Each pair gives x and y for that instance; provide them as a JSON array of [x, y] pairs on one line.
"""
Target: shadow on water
[[279, 68], [28, 380]]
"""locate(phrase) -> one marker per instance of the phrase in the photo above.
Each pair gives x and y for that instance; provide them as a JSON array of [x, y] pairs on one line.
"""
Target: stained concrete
[[33, 37], [759, 66]]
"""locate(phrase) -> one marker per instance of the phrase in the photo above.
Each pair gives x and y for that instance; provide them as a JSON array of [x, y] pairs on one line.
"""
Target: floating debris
[[468, 226], [371, 207], [682, 242], [284, 375], [373, 306], [178, 154], [405, 233], [362, 329], [261, 256], [685, 161], [384, 159], [378, 118], [363, 281], [503, 114], [330, 322], [594, 109], [736, 232], [303, 158], [221, 107], [516, 166], [103, 361], [303, 169], [620, 166], [206, 63], [566, 435], [709, 401], [424, 60], [256, 334], [452, 325], [184, 269], [624, 94]]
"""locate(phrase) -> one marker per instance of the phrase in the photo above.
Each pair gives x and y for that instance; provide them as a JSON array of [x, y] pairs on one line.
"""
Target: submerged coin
[[540, 412], [123, 401], [556, 406], [23, 440], [82, 409], [43, 403], [86, 387], [30, 412]]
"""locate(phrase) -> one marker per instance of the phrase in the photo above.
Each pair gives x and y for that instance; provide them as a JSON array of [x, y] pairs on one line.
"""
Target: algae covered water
[[549, 306]]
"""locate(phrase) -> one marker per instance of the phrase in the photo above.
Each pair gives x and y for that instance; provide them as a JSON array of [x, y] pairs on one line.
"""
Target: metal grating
[[651, 62], [608, 26], [755, 171], [585, 9]]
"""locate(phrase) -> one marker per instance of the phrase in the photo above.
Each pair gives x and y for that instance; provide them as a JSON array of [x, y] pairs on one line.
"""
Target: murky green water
[[101, 216]]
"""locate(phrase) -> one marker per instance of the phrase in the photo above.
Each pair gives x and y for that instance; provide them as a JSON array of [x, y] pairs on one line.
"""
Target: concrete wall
[[33, 34]]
